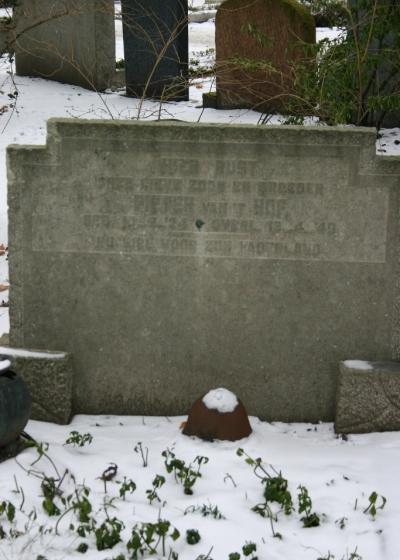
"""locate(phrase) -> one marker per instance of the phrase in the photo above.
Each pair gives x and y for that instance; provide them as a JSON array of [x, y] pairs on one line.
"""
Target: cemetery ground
[[56, 500], [101, 489]]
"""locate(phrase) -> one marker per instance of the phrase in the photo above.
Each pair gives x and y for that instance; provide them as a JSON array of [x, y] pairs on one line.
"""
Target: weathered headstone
[[257, 42], [69, 41], [156, 48], [368, 397], [172, 258]]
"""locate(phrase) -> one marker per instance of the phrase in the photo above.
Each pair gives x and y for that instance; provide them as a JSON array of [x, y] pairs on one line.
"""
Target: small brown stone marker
[[257, 42], [219, 414]]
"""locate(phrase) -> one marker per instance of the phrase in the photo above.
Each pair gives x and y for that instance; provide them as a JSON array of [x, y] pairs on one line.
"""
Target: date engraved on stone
[[241, 216]]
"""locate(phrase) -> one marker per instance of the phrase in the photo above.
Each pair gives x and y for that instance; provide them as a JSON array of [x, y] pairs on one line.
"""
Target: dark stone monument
[[378, 27], [156, 48]]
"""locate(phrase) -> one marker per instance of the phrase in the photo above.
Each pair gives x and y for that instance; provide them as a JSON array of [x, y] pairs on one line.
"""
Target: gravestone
[[156, 48], [66, 40], [257, 42], [377, 23], [170, 258]]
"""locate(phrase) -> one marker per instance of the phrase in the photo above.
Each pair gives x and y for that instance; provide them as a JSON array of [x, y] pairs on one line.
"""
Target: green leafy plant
[[50, 492], [373, 506], [192, 536], [206, 510], [82, 548], [310, 519], [79, 440], [356, 77], [149, 538], [249, 550], [127, 486], [152, 494], [187, 475], [276, 490], [108, 534], [7, 508]]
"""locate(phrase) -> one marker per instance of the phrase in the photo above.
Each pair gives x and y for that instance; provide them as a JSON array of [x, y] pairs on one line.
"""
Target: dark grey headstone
[[386, 80], [156, 48], [71, 41]]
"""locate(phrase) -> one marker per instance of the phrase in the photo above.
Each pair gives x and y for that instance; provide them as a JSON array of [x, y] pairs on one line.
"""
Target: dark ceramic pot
[[15, 406], [210, 424]]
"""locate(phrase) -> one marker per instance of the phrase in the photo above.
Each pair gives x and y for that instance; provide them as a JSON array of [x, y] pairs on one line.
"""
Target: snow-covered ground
[[340, 476]]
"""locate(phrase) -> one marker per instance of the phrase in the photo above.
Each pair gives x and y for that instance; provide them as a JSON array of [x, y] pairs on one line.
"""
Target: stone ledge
[[368, 397], [49, 378]]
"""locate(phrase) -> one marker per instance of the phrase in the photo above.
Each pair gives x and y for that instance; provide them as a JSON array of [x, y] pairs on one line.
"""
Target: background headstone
[[156, 48], [171, 258], [71, 41], [386, 80], [266, 36]]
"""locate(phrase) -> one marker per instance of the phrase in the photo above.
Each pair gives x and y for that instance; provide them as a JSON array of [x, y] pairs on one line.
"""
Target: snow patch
[[4, 364], [20, 353], [358, 364], [221, 399]]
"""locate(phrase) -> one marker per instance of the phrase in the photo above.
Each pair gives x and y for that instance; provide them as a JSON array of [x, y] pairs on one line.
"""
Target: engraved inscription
[[247, 208]]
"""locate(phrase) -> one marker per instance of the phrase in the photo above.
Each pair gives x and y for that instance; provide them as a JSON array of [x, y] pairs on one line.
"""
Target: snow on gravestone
[[267, 33], [171, 257]]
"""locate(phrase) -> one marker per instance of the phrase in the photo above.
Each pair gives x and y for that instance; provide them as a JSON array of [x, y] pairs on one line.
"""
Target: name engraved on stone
[[241, 216]]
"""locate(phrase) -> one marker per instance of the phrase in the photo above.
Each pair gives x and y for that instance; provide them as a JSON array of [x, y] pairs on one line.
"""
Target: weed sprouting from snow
[[192, 536], [206, 511], [144, 453], [341, 522], [8, 509], [84, 520], [310, 519], [109, 474], [79, 440], [249, 551], [152, 494], [108, 534], [187, 475], [373, 506], [127, 486], [276, 491], [348, 556], [149, 538]]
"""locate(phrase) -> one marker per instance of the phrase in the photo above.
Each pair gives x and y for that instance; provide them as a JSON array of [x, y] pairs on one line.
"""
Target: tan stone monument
[[257, 42]]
